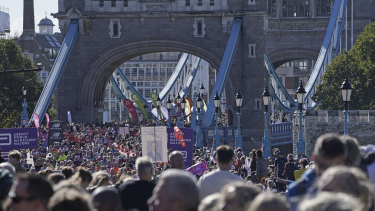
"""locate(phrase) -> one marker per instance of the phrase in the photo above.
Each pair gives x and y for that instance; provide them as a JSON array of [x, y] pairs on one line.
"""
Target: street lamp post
[[157, 110], [217, 106], [300, 98], [201, 115], [183, 104], [346, 91], [169, 103], [178, 100], [199, 134], [24, 115], [266, 140], [239, 105]]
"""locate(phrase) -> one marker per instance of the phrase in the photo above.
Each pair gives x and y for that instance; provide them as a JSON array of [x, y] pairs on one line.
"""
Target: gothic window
[[187, 2], [101, 3], [125, 3], [323, 7], [115, 28], [113, 3], [199, 27], [296, 8], [212, 2], [271, 8], [199, 2], [252, 50]]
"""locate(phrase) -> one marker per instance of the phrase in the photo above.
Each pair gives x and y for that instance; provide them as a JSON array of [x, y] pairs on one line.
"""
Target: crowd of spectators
[[99, 168]]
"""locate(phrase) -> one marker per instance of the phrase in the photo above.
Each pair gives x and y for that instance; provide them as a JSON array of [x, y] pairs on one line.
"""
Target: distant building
[[4, 22]]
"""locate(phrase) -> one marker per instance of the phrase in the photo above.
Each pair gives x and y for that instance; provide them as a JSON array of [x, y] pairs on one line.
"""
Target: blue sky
[[41, 7]]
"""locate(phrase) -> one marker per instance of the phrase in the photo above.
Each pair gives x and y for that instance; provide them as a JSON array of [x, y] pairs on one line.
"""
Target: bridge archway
[[99, 70], [280, 57]]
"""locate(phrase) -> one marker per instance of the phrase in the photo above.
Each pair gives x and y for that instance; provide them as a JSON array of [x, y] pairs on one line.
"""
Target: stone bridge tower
[[113, 31]]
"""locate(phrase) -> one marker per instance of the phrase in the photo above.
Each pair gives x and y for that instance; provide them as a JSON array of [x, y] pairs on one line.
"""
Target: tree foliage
[[11, 97], [359, 65]]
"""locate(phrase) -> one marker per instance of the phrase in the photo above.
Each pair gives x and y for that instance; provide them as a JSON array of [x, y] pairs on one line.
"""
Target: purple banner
[[175, 144], [18, 138]]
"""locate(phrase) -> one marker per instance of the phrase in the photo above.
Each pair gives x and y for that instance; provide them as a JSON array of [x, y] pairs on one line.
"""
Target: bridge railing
[[281, 133]]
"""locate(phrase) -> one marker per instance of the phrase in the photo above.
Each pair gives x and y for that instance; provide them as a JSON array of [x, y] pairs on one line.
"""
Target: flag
[[47, 119], [154, 96], [139, 103], [198, 169], [178, 134], [36, 120], [129, 105], [69, 118]]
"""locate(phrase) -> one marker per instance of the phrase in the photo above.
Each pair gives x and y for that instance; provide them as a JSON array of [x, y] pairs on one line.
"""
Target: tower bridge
[[111, 32]]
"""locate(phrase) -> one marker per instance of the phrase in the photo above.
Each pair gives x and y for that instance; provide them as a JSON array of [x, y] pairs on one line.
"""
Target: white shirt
[[214, 181]]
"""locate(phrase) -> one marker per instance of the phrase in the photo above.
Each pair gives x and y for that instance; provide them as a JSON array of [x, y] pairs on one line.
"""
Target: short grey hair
[[326, 201], [182, 186], [9, 167], [269, 201], [143, 165]]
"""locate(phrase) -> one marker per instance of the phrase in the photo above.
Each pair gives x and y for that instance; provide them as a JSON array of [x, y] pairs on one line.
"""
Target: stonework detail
[[115, 28], [297, 24], [361, 126]]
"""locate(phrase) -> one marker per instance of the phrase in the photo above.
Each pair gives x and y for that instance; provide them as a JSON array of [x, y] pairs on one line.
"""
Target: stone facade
[[361, 124]]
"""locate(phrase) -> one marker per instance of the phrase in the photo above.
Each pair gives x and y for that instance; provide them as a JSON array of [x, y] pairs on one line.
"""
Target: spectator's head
[[237, 196], [14, 156], [224, 156], [70, 199], [6, 181], [329, 151], [67, 171], [8, 167], [326, 201], [176, 160], [106, 199], [144, 168], [352, 149], [30, 192], [82, 177], [290, 158], [176, 190], [210, 202], [348, 180], [55, 178], [268, 202], [303, 163], [259, 154]]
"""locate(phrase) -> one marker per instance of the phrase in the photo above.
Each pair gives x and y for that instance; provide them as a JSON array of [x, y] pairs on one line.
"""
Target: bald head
[[176, 160]]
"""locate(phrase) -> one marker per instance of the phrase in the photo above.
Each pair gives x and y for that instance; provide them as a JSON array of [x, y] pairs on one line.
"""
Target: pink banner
[[47, 119], [198, 169], [129, 105], [36, 120]]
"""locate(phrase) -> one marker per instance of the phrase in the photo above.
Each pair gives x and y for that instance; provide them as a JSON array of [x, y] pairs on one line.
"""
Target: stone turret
[[28, 20]]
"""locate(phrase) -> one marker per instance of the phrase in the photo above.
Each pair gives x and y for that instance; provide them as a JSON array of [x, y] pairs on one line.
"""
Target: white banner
[[154, 143]]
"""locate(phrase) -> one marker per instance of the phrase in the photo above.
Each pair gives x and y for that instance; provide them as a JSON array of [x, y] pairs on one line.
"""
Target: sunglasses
[[17, 199]]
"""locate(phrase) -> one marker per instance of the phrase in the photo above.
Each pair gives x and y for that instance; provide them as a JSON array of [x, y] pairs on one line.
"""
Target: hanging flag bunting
[[164, 112], [139, 103], [36, 120], [69, 118], [129, 105], [47, 119], [154, 96], [179, 136]]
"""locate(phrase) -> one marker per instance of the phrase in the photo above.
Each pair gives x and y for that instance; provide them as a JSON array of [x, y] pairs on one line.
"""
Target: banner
[[175, 144], [69, 118], [154, 143], [155, 113], [55, 133], [18, 138], [36, 120], [129, 105], [47, 119], [164, 112], [139, 103], [124, 130]]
